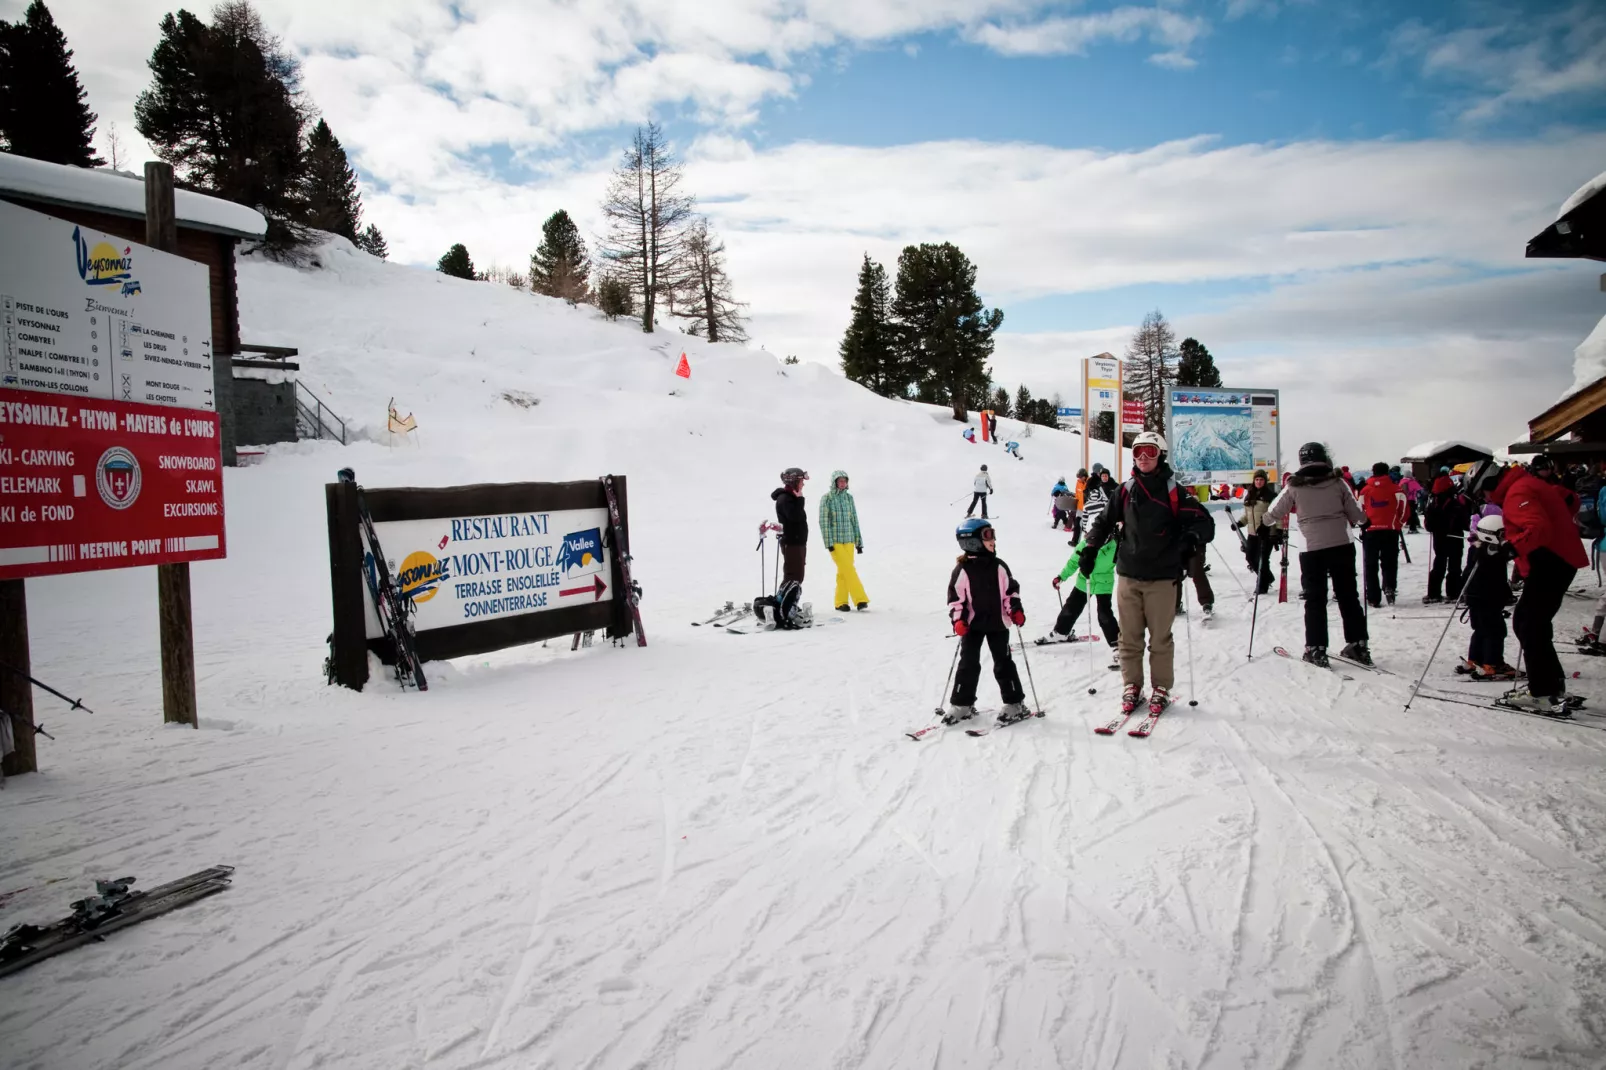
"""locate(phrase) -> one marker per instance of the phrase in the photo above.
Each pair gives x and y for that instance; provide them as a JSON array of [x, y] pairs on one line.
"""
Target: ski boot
[[1496, 672], [844, 608], [862, 606], [1467, 667], [1520, 698], [1389, 597], [1432, 599], [1317, 655], [1357, 652], [1131, 696], [1052, 638], [1208, 611], [1012, 712], [1159, 699], [957, 713]]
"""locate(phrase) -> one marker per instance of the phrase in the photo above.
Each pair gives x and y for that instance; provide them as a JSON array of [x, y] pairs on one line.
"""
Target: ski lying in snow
[[1146, 726], [113, 908], [729, 610], [996, 725], [1051, 640], [742, 614], [934, 729], [394, 609], [1283, 653], [818, 623]]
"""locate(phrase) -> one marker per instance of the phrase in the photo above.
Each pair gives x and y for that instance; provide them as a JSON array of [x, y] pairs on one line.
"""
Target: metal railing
[[314, 419]]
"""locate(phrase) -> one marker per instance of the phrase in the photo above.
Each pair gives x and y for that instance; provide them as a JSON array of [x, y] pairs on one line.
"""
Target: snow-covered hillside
[[722, 851]]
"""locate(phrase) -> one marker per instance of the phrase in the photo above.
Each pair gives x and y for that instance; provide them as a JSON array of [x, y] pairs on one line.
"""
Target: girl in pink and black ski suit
[[983, 601]]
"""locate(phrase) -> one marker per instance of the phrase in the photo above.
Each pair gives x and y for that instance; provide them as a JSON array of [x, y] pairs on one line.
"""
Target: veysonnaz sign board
[[97, 317]]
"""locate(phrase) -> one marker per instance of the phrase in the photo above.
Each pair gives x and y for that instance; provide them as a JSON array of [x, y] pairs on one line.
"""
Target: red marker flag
[[683, 369]]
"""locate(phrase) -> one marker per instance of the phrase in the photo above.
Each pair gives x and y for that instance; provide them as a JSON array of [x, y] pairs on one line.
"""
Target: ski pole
[[1228, 566], [1254, 616], [1028, 662], [75, 703], [1406, 550], [945, 692], [957, 500], [1453, 611], [1187, 628]]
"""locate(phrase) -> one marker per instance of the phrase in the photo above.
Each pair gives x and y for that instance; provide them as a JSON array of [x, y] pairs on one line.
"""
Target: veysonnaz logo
[[103, 265]]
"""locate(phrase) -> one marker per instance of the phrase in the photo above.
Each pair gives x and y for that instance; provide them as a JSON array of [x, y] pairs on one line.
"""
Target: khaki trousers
[[1147, 605]]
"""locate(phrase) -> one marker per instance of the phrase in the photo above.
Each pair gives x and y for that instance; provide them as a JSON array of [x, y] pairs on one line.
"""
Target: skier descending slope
[[1326, 507], [1160, 528], [983, 601]]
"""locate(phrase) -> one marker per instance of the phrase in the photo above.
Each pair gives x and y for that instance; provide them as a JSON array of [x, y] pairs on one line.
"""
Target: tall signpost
[[110, 452], [1101, 392]]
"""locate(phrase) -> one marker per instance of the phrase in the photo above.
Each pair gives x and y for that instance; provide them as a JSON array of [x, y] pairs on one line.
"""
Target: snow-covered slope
[[721, 851]]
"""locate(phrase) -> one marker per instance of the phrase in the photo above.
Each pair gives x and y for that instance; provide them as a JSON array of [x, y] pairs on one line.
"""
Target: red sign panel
[[88, 483], [1132, 415]]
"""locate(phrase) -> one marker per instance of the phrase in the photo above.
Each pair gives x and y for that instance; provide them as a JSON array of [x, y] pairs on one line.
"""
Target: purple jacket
[[983, 593]]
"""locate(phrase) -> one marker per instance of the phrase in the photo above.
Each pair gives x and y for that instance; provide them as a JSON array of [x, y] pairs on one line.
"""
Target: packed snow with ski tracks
[[722, 850]]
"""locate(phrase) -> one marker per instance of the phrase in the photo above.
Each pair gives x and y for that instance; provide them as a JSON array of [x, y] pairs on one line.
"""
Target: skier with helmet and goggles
[[1160, 528], [983, 601], [1325, 506]]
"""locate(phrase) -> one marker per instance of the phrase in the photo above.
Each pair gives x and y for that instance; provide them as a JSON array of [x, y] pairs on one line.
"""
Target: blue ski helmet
[[969, 534]]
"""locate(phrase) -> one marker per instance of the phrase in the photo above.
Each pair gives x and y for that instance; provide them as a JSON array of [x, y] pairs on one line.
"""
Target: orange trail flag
[[683, 369]]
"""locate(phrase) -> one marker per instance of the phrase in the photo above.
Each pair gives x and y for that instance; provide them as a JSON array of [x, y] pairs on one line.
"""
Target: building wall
[[264, 412]]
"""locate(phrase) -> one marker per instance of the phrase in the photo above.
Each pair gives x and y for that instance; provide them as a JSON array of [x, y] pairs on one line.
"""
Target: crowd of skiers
[[1136, 542]]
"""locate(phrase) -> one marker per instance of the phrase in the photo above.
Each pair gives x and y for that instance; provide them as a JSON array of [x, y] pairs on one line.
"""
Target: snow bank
[[121, 193], [1589, 360], [1583, 193]]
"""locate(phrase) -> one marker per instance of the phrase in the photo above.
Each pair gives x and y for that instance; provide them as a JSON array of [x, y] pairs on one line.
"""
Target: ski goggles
[[1145, 450]]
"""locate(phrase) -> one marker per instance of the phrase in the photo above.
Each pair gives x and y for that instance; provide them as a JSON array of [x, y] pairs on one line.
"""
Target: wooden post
[[172, 581], [16, 693], [349, 649]]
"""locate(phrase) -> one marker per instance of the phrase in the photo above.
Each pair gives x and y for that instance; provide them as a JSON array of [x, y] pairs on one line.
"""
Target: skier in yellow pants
[[839, 524]]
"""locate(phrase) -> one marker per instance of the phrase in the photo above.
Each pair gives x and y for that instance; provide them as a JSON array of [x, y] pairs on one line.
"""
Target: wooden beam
[[16, 693], [1560, 417], [172, 581]]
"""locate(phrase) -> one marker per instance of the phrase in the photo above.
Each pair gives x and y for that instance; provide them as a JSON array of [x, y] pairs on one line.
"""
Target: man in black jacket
[[1160, 529], [793, 515]]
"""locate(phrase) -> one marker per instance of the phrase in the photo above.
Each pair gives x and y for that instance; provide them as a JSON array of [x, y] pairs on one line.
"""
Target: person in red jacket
[[1541, 533], [1384, 505]]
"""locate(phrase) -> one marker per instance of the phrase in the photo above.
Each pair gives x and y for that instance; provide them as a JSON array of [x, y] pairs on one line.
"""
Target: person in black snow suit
[[983, 601], [1487, 594], [793, 514]]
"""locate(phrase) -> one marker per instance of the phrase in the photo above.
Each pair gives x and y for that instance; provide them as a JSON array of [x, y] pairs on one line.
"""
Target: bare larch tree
[[704, 294], [647, 220], [1151, 367]]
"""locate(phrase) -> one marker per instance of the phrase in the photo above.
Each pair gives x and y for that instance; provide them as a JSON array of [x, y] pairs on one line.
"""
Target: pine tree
[[943, 333], [704, 291], [1151, 366], [1000, 402], [457, 263], [225, 109], [44, 111], [647, 220], [867, 351], [372, 242], [615, 297], [1195, 365], [1023, 401], [330, 186], [560, 266]]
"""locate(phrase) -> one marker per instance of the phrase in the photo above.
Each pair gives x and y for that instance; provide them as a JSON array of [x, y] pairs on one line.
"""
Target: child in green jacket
[[1102, 585]]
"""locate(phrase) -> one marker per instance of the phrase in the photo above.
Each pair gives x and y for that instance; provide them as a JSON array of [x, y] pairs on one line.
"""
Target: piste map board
[[110, 452], [1221, 435]]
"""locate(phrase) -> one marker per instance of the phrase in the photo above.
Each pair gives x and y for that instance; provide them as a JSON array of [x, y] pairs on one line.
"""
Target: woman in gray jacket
[[1326, 508]]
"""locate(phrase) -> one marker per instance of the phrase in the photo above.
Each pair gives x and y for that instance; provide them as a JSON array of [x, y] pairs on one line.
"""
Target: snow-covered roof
[[1432, 449], [1586, 191], [1589, 360], [121, 193]]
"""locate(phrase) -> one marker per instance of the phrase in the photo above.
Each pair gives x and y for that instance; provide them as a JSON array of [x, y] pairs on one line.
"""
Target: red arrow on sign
[[598, 586]]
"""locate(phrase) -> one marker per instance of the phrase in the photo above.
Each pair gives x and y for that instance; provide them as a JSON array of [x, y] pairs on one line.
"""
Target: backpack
[[1589, 521], [783, 605]]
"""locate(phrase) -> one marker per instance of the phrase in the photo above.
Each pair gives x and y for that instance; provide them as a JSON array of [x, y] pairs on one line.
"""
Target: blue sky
[[1334, 195]]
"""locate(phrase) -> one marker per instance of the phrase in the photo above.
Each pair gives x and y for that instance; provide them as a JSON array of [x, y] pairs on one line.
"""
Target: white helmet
[[1150, 438], [1492, 530]]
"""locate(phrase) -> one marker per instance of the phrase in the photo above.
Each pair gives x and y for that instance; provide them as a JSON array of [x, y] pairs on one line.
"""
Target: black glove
[[1190, 546], [860, 549], [1086, 560], [1363, 525]]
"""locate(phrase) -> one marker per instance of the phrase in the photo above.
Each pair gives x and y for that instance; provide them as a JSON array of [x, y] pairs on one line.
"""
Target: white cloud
[[1074, 34], [1516, 59]]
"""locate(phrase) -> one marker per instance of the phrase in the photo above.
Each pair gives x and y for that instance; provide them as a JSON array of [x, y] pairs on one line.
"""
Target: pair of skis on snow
[[114, 906], [946, 721]]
